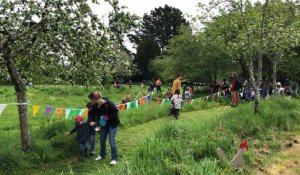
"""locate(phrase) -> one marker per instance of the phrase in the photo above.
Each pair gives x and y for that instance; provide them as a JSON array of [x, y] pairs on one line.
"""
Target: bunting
[[67, 112], [35, 109], [59, 111], [2, 107], [48, 110], [128, 105], [157, 101], [136, 104], [148, 98], [122, 107], [163, 101], [86, 113]]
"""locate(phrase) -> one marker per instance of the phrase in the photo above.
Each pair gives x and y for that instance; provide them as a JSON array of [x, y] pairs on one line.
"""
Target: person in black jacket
[[105, 114], [83, 133], [91, 123]]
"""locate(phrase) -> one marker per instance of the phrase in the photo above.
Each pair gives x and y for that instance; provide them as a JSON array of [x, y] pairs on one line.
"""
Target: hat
[[78, 118]]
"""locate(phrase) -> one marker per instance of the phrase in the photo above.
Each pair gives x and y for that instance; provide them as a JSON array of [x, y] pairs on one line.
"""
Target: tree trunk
[[251, 72], [245, 71], [261, 41], [274, 74], [21, 97]]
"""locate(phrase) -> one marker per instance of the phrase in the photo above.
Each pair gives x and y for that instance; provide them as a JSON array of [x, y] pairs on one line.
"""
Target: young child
[[176, 100], [83, 133], [187, 94]]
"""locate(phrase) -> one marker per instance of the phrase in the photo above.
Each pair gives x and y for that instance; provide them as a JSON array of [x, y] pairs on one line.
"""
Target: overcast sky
[[140, 7]]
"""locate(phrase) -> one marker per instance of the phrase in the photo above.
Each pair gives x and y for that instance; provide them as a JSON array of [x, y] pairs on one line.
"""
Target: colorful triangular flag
[[35, 109], [67, 112], [59, 111], [2, 107], [48, 110]]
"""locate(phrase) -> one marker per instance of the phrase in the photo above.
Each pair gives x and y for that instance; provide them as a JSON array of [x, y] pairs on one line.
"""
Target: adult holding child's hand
[[105, 114]]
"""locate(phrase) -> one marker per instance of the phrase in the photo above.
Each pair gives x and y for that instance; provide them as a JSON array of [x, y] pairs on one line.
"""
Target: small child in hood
[[176, 100], [83, 133]]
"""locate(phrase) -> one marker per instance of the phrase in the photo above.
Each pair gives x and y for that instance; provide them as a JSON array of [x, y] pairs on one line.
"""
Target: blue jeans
[[112, 132], [83, 147], [92, 143]]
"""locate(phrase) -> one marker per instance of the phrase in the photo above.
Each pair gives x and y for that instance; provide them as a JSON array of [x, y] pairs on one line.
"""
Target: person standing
[[236, 85], [105, 114], [83, 133], [176, 100], [176, 84], [158, 86]]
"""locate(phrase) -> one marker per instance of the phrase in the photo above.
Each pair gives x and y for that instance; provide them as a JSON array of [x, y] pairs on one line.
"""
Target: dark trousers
[[158, 89], [176, 113]]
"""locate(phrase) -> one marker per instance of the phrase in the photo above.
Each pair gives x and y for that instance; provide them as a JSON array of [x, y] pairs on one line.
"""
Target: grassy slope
[[127, 140]]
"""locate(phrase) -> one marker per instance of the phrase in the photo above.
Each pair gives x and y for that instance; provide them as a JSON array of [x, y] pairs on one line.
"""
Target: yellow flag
[[35, 109]]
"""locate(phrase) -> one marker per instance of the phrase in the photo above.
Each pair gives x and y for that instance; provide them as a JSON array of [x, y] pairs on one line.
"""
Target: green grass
[[148, 141]]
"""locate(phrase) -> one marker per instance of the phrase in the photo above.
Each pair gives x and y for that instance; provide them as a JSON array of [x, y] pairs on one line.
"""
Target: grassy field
[[149, 142]]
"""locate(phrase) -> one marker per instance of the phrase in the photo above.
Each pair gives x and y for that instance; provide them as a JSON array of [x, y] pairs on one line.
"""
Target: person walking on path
[[105, 114], [176, 84]]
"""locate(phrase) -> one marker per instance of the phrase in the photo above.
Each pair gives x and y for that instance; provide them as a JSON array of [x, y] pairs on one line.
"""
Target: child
[[83, 133], [169, 94], [187, 94], [176, 100]]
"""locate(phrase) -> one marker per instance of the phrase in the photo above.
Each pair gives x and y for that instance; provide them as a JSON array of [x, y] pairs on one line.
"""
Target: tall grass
[[190, 148], [49, 141]]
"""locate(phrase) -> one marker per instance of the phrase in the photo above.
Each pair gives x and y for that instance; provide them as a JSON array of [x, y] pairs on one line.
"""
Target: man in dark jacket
[[83, 133], [105, 114]]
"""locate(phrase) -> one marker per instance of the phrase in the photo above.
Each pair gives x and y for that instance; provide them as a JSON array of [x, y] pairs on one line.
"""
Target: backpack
[[238, 84]]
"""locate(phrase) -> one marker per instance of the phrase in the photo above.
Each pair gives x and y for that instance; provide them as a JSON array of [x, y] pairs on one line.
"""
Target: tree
[[163, 23], [60, 34], [202, 56], [157, 28], [146, 51]]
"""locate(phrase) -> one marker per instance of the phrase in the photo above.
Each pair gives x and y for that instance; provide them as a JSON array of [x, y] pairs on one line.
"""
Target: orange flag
[[157, 101], [141, 101], [86, 113], [59, 111], [122, 107]]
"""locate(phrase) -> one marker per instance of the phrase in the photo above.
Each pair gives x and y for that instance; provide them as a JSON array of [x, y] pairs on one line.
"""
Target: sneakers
[[92, 153], [99, 158], [113, 162]]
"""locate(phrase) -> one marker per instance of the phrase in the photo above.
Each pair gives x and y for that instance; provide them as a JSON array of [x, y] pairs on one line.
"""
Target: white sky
[[140, 7]]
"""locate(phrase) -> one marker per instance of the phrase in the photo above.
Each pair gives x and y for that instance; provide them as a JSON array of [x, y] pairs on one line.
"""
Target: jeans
[[83, 148], [112, 132], [92, 143]]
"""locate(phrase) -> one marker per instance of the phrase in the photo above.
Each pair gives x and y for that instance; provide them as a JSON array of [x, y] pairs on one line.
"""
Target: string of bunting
[[70, 113]]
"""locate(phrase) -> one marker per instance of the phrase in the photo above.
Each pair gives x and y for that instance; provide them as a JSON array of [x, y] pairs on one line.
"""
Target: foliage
[[63, 41]]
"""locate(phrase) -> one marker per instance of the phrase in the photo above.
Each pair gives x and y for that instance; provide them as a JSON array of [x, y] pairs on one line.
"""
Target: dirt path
[[286, 162]]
